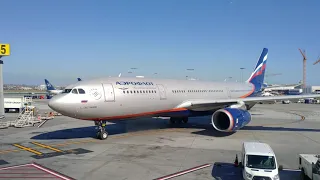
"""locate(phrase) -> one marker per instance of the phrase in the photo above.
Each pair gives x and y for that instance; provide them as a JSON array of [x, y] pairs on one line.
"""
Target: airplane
[[116, 98], [51, 89], [267, 94]]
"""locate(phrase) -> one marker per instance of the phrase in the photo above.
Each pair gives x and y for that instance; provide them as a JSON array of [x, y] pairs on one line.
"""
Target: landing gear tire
[[102, 133]]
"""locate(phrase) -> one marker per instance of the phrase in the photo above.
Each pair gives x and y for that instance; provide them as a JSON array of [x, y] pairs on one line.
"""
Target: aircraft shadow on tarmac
[[201, 126], [227, 171], [126, 126]]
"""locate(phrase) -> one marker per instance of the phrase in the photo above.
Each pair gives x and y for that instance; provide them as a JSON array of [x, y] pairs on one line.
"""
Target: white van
[[258, 162]]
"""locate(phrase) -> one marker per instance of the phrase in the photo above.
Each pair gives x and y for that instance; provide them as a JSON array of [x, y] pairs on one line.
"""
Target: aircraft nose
[[54, 104], [63, 105]]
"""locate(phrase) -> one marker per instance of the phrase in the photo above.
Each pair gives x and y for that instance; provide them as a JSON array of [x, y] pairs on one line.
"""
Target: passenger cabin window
[[81, 91], [74, 91], [67, 91]]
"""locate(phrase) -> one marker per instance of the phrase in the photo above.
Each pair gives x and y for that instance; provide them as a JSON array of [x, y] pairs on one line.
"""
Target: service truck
[[259, 162], [310, 166], [16, 104]]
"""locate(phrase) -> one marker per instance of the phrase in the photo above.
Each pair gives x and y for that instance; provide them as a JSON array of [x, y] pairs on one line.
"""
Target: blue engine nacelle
[[230, 119]]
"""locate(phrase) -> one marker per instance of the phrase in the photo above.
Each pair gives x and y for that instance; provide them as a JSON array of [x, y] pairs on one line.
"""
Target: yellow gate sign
[[4, 49]]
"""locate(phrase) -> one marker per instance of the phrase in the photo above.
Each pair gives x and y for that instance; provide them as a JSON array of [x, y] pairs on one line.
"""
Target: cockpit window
[[67, 91], [74, 91], [81, 91]]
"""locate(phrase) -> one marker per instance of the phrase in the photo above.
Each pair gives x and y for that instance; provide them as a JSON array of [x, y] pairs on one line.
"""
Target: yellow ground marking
[[38, 147], [284, 123], [28, 149], [47, 146], [128, 134]]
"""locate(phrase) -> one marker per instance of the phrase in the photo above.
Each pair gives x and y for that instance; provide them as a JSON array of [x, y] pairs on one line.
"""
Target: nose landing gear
[[102, 133]]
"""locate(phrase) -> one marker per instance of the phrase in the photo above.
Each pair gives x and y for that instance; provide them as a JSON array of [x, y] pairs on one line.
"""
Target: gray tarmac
[[149, 148]]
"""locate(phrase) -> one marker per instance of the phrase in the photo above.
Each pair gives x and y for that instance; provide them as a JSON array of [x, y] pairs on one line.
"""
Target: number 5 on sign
[[4, 49]]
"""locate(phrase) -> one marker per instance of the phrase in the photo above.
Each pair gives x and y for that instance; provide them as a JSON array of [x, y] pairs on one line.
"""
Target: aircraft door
[[108, 92], [162, 92]]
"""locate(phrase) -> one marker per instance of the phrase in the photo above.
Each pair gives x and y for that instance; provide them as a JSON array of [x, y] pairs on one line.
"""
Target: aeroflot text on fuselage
[[133, 83]]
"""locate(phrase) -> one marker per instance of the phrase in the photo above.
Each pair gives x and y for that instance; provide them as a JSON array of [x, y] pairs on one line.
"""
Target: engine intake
[[230, 119]]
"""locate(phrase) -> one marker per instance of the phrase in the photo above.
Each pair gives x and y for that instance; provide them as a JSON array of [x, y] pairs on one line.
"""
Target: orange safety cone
[[236, 162]]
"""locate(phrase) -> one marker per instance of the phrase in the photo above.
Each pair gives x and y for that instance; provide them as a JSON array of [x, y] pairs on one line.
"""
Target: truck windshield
[[261, 162]]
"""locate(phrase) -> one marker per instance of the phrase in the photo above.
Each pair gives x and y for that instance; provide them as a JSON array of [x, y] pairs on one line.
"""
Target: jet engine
[[230, 119]]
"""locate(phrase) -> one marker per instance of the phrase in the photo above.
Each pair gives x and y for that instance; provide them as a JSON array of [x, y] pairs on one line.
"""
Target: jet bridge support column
[[1, 91], [4, 51]]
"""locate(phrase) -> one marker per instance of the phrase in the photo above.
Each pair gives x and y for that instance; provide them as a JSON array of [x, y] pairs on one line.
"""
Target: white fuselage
[[120, 98], [56, 91]]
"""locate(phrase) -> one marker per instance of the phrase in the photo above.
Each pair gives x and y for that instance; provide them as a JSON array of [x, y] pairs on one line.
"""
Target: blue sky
[[62, 40]]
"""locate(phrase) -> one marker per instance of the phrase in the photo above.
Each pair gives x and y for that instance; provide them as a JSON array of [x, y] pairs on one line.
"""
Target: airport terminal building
[[292, 89]]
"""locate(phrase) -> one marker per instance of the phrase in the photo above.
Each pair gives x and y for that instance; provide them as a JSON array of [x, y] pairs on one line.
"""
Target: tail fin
[[49, 85], [257, 76], [79, 79]]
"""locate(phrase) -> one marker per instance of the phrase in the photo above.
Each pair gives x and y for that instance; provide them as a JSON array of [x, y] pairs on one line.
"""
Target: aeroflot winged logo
[[133, 83]]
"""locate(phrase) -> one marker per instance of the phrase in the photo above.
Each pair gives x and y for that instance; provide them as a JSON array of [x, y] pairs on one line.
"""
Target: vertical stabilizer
[[257, 76], [49, 85]]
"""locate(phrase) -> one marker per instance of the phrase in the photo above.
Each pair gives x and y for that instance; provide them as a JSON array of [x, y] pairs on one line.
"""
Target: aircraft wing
[[207, 104]]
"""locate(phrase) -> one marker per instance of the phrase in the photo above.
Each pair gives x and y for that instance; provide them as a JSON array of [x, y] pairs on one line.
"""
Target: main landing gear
[[178, 120], [102, 133]]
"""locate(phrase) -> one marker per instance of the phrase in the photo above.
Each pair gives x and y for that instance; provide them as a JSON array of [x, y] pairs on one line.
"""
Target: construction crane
[[303, 53], [317, 61]]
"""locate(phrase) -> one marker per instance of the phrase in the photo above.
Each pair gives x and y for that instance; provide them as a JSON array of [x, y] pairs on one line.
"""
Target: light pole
[[187, 75], [4, 51], [1, 91], [242, 74]]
